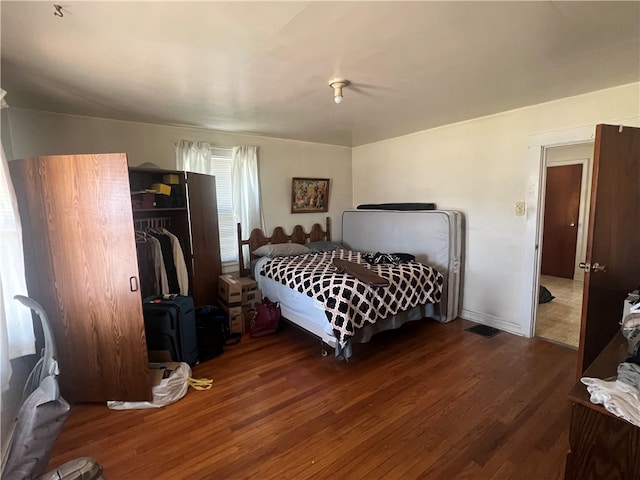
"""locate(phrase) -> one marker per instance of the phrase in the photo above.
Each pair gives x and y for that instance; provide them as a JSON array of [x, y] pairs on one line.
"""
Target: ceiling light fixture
[[338, 84]]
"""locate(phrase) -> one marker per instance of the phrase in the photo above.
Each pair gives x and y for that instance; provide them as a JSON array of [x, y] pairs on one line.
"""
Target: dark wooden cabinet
[[190, 213], [80, 264], [602, 446]]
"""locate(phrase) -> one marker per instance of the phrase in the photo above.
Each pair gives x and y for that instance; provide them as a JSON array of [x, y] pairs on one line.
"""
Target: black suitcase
[[210, 327], [170, 324]]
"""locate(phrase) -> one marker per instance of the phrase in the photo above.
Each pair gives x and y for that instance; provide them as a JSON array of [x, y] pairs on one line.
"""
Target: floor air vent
[[484, 330]]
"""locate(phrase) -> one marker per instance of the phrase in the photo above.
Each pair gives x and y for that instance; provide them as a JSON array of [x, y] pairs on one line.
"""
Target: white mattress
[[433, 236]]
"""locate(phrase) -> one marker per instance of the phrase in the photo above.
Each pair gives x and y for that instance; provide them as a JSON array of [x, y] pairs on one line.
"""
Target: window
[[221, 165], [237, 187]]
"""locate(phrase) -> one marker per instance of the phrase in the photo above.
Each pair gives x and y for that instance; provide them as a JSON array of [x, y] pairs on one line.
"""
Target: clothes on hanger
[[180, 264], [149, 284], [161, 263], [167, 260]]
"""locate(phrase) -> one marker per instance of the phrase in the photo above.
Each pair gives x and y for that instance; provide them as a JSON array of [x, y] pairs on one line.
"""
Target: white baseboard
[[491, 321]]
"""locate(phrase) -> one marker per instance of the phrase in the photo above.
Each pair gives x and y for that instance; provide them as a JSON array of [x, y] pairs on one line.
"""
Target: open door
[[205, 237], [612, 263]]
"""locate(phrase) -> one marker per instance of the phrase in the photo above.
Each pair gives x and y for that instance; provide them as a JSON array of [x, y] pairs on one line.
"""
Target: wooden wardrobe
[[190, 213], [81, 266]]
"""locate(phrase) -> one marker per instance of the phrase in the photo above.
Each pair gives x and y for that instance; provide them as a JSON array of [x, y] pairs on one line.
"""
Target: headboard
[[257, 239]]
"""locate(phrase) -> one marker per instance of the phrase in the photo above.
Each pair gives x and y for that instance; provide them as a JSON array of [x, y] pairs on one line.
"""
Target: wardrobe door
[[205, 238], [83, 269]]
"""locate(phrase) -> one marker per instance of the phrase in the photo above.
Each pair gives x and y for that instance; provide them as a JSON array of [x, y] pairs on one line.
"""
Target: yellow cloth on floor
[[200, 383]]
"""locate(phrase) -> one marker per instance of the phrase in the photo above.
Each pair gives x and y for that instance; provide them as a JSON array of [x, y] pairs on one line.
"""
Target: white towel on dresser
[[621, 398]]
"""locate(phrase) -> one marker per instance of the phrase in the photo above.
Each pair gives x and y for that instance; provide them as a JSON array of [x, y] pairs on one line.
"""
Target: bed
[[336, 307]]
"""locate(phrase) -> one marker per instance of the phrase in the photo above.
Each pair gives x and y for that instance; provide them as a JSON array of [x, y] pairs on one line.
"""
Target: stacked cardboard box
[[238, 296]]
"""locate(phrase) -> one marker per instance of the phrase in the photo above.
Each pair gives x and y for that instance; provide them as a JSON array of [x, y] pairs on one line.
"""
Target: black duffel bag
[[211, 326]]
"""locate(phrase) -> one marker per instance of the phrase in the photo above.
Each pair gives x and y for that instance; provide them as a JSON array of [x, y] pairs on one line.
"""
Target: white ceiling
[[263, 68]]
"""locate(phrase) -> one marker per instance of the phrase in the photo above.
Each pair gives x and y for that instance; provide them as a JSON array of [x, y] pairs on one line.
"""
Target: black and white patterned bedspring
[[348, 302]]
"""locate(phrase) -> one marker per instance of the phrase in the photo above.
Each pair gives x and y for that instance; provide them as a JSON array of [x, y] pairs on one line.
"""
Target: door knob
[[572, 225], [596, 267]]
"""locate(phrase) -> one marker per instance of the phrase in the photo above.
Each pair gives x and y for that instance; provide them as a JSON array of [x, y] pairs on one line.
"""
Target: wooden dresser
[[602, 446]]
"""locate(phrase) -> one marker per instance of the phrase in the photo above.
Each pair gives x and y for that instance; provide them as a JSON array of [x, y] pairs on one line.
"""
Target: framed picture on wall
[[309, 195]]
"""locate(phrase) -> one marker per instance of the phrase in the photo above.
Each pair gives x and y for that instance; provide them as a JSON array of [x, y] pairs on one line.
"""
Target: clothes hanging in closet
[[149, 284], [179, 262], [168, 261], [161, 263]]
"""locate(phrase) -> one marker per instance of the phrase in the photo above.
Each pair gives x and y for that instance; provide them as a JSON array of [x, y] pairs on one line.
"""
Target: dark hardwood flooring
[[427, 401]]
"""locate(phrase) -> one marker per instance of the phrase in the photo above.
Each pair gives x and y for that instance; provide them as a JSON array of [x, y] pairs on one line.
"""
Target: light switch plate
[[520, 208]]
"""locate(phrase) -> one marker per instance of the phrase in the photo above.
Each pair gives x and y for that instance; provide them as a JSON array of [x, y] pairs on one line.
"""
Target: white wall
[[483, 167], [42, 133]]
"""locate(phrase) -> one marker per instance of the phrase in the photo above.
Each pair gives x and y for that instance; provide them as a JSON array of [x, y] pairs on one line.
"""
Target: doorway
[[566, 211], [561, 212]]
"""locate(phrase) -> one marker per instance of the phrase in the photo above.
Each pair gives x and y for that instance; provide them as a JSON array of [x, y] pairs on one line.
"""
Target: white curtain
[[16, 327], [246, 188], [193, 156]]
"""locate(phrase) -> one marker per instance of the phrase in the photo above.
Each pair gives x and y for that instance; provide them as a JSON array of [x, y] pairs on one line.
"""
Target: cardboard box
[[251, 297], [236, 324], [148, 200], [161, 188], [171, 179], [251, 305], [231, 310], [159, 356], [143, 200], [160, 366], [248, 284], [230, 288]]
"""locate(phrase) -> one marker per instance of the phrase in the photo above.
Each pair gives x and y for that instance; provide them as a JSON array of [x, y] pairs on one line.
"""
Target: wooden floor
[[428, 401]]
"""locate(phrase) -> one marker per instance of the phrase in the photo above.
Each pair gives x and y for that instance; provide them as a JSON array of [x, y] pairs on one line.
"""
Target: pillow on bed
[[323, 246], [281, 250]]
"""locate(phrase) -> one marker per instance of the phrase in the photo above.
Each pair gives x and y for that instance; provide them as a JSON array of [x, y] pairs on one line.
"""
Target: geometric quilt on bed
[[348, 302]]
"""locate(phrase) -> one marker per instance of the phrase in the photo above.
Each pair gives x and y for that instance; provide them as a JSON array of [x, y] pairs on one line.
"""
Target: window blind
[[221, 164]]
